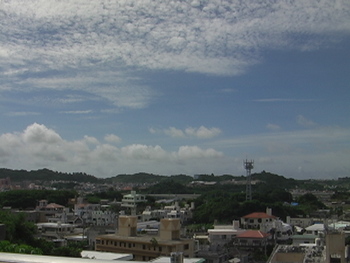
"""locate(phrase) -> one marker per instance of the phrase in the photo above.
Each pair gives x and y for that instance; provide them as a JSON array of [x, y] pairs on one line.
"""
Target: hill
[[45, 175]]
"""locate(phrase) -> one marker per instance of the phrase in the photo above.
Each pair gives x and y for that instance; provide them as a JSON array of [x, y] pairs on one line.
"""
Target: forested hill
[[49, 175], [275, 180], [45, 175], [148, 178]]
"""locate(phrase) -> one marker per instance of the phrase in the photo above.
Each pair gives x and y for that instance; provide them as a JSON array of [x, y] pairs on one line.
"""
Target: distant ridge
[[45, 175], [141, 177]]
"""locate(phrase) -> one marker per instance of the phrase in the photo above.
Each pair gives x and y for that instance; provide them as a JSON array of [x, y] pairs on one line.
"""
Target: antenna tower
[[248, 166]]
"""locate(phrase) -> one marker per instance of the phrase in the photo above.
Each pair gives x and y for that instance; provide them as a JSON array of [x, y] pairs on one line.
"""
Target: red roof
[[259, 215], [53, 205], [253, 234]]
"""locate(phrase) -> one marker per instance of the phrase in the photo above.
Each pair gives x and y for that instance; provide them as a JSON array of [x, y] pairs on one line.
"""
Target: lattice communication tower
[[248, 166]]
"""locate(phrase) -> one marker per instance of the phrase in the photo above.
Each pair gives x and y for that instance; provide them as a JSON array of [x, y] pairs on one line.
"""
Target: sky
[[176, 86]]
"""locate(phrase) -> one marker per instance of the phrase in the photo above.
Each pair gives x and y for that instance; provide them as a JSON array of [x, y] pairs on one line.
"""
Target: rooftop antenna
[[248, 166]]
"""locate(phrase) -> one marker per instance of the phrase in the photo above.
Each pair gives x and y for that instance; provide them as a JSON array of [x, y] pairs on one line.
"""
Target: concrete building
[[55, 231], [268, 223], [258, 220], [25, 258], [328, 249], [252, 239], [216, 246], [146, 247], [47, 210], [131, 201]]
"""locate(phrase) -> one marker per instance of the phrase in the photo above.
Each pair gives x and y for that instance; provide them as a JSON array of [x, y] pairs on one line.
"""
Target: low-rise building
[[54, 231]]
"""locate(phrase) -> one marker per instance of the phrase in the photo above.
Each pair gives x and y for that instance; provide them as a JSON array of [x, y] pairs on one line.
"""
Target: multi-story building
[[258, 220], [54, 231], [268, 223], [131, 201], [146, 247], [47, 210], [219, 243]]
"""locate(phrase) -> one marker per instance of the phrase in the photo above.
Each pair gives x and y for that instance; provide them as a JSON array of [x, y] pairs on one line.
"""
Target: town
[[217, 219]]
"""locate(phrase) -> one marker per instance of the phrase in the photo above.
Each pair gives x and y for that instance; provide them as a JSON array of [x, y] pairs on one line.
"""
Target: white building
[[132, 200]]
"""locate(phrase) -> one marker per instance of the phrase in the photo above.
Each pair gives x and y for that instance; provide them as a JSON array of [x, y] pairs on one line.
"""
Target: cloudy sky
[[176, 86]]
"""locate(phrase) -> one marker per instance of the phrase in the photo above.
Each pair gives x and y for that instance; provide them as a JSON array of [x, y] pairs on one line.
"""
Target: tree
[[18, 230]]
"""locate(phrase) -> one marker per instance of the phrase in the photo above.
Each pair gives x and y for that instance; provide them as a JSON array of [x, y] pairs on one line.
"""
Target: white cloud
[[273, 127], [139, 151], [174, 132], [187, 152], [112, 138], [301, 120], [38, 146], [77, 112], [203, 132], [38, 133], [22, 113]]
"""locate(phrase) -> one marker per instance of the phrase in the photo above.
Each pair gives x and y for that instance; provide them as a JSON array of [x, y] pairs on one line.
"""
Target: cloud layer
[[89, 46], [39, 146], [294, 153]]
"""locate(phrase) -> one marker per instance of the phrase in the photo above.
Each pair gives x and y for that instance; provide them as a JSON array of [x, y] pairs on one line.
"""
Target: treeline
[[45, 175], [24, 199], [223, 206], [20, 238]]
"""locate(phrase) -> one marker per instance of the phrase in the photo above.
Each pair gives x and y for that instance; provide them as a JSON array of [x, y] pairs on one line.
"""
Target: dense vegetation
[[24, 199], [45, 175], [20, 238]]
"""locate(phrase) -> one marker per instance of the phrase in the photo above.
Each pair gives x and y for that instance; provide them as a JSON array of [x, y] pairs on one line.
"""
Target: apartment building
[[146, 247]]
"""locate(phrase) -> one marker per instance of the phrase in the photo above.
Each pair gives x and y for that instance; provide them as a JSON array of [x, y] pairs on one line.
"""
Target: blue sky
[[176, 87]]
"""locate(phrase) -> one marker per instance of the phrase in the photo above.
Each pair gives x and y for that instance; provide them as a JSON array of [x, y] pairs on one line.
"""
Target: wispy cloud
[[77, 112], [273, 127], [284, 100], [22, 113], [301, 120], [90, 46], [201, 132]]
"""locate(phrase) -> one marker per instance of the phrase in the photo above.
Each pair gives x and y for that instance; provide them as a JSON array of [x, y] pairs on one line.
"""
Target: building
[[216, 247], [131, 201], [252, 239], [28, 258], [146, 247], [266, 222], [328, 249], [47, 210], [259, 220], [55, 231]]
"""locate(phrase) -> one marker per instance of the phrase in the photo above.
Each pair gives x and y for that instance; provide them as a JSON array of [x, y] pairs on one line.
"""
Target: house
[[47, 210], [315, 229], [252, 238], [259, 220], [146, 247], [215, 247], [54, 231], [268, 223]]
